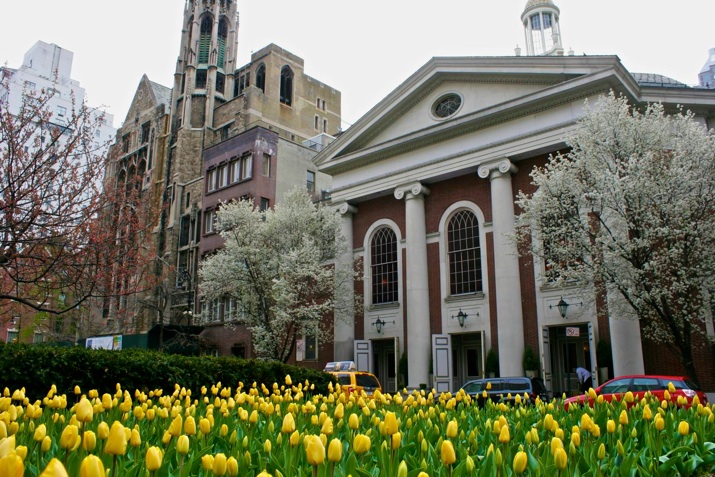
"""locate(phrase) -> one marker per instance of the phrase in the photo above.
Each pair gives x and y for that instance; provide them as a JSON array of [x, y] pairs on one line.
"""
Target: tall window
[[209, 219], [261, 77], [465, 263], [266, 165], [310, 182], [205, 39], [286, 85], [383, 266], [222, 33]]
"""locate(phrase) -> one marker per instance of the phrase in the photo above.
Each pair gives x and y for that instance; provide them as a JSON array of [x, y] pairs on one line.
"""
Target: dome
[[534, 4]]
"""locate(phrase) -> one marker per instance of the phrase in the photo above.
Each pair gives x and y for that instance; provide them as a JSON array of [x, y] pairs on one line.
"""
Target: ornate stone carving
[[346, 208], [501, 166], [412, 190]]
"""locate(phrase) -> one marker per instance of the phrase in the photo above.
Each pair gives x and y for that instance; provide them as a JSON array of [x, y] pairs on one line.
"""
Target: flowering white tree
[[277, 264], [629, 212]]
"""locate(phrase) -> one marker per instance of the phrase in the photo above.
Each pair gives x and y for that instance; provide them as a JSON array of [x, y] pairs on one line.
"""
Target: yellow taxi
[[351, 380]]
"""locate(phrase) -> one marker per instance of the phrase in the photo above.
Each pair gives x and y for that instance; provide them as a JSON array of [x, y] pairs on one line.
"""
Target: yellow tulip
[[314, 450], [182, 444], [288, 424], [504, 436], [601, 451], [92, 466], [560, 459], [623, 418], [205, 425], [294, 438], [84, 411], [103, 430], [353, 422], [327, 427], [619, 448], [11, 465], [107, 401], [647, 413], [659, 423], [190, 426], [611, 426], [46, 444], [452, 429], [219, 464], [89, 441], [671, 387], [361, 444], [135, 438], [683, 428], [335, 450], [447, 453], [117, 440], [40, 433], [232, 466], [267, 446], [207, 462], [520, 461], [390, 423], [176, 425], [69, 437], [54, 469], [153, 458], [556, 444], [402, 469], [396, 439]]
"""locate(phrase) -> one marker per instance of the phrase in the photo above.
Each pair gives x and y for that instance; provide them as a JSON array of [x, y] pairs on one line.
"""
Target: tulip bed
[[283, 431]]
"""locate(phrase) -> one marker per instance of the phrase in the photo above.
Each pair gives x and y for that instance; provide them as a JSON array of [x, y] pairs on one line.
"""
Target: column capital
[[496, 168], [411, 190], [345, 208]]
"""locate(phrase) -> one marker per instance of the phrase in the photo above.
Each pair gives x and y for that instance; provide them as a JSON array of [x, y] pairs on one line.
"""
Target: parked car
[[506, 389], [638, 385], [351, 380]]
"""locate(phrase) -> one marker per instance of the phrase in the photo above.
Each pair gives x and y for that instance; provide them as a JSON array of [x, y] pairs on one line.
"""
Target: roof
[[162, 93], [656, 80]]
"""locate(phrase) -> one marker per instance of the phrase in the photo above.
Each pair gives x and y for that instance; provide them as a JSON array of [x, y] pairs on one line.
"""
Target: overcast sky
[[363, 48]]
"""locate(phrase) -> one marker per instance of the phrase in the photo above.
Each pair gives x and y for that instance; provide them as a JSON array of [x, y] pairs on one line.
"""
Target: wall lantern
[[562, 305], [378, 324], [461, 316]]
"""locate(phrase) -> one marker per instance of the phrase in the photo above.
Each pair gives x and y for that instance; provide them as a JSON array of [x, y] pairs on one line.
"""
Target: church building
[[426, 183]]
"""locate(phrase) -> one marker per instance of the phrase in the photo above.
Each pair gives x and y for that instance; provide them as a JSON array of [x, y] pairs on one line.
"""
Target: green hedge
[[37, 368]]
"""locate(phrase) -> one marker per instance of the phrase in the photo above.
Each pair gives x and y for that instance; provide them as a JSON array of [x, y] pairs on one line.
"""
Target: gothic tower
[[542, 29]]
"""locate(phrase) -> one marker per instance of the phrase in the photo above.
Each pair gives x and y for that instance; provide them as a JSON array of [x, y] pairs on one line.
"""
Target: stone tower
[[541, 26]]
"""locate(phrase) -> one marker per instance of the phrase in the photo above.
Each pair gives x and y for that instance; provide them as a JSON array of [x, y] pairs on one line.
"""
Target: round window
[[447, 105]]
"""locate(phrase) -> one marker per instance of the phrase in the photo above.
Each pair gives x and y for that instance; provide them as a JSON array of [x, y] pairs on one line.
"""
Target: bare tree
[[62, 231]]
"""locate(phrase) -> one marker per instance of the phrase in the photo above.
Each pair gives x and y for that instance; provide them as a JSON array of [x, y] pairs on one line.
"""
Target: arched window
[[261, 77], [205, 39], [286, 85], [383, 266], [465, 262], [222, 34]]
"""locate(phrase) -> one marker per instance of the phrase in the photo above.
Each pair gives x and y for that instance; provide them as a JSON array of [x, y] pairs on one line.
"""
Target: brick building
[[221, 132], [426, 183]]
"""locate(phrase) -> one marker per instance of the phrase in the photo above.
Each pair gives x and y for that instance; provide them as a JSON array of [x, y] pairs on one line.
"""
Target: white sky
[[363, 48]]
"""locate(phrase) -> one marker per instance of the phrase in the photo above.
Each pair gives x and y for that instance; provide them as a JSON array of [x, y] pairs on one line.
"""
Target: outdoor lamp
[[378, 325], [563, 306], [461, 316]]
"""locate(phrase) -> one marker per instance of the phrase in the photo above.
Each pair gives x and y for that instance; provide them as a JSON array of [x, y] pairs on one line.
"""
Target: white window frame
[[211, 180], [247, 166]]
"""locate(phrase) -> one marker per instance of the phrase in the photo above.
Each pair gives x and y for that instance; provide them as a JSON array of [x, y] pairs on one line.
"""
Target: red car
[[638, 385]]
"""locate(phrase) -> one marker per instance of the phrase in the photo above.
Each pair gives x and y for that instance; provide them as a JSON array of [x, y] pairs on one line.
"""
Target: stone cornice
[[345, 208]]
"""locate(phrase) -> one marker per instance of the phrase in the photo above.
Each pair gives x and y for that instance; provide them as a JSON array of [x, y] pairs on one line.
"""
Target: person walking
[[584, 379]]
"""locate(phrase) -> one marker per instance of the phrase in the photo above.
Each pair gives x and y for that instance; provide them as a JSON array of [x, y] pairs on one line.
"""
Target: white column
[[507, 286], [626, 344], [344, 315], [419, 343]]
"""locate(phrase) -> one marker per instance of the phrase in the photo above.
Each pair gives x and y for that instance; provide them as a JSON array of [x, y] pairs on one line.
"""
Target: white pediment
[[474, 96]]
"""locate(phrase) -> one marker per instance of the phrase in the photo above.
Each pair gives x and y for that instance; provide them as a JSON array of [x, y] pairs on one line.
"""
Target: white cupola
[[541, 26]]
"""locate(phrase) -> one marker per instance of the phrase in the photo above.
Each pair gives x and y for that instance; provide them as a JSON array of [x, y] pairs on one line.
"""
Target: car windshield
[[344, 379], [366, 381], [473, 387]]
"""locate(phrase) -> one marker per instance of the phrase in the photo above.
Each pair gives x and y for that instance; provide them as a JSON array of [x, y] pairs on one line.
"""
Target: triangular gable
[[148, 95], [490, 86]]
